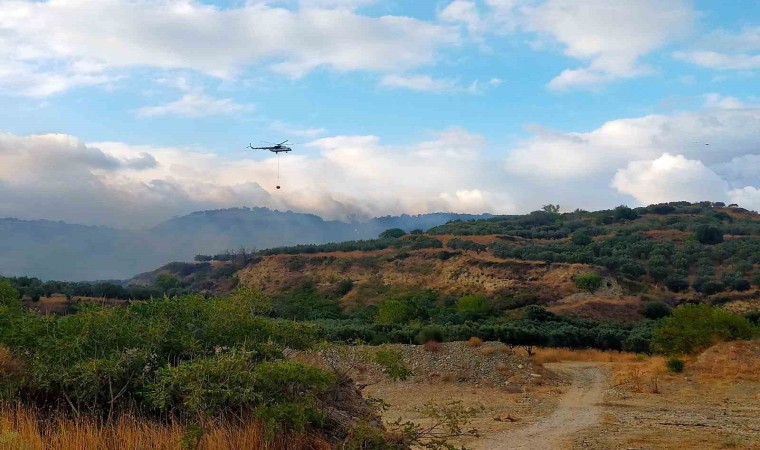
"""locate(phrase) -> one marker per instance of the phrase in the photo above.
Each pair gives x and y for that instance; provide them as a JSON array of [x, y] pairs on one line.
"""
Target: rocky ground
[[489, 364], [714, 404], [620, 402]]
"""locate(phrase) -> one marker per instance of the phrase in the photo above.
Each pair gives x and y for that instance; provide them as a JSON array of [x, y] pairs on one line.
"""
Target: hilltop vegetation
[[676, 252]]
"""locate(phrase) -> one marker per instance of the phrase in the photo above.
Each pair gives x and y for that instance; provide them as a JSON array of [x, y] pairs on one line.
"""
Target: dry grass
[[21, 428], [642, 376], [639, 373], [728, 361], [551, 355], [475, 342], [488, 351], [432, 346]]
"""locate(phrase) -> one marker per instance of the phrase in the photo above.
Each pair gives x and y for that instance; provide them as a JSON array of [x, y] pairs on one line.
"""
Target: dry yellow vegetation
[[23, 428]]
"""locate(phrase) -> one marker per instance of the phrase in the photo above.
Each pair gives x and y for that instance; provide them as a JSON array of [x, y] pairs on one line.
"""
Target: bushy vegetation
[[184, 358], [675, 365], [392, 363], [34, 288], [538, 327], [693, 328], [588, 281], [694, 247]]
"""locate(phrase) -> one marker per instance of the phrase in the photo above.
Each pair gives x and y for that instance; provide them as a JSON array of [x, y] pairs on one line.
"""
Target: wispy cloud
[[195, 104], [726, 50], [426, 83]]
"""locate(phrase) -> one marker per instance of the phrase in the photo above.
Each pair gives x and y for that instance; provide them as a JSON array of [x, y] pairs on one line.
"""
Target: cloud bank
[[635, 161], [48, 47]]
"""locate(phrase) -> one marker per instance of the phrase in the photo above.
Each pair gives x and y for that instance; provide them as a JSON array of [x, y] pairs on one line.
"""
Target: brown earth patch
[[626, 309]]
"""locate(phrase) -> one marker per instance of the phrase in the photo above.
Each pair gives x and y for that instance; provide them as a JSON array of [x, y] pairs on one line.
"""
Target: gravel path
[[578, 409]]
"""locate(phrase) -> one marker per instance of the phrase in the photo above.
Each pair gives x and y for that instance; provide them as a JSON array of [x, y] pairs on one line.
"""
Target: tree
[[588, 281], [554, 209], [623, 212], [581, 238], [392, 233], [708, 235], [166, 282], [656, 310], [203, 258], [676, 284], [693, 328], [473, 305], [8, 294], [394, 312]]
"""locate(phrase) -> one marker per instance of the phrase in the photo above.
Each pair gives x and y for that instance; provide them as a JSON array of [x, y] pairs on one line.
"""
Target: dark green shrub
[[295, 264], [344, 287], [623, 212], [420, 242], [430, 333], [708, 235], [676, 284], [445, 255], [740, 285], [588, 281], [675, 365], [392, 233], [473, 305], [394, 312], [581, 238], [656, 310]]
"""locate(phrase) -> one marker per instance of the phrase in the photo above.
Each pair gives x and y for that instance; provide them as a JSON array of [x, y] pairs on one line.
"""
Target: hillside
[[70, 252], [594, 265]]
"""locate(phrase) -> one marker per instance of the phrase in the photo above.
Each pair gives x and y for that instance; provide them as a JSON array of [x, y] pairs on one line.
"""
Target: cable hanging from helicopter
[[277, 149]]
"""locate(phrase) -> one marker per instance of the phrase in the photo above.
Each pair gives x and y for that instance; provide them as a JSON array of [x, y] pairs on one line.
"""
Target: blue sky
[[529, 101]]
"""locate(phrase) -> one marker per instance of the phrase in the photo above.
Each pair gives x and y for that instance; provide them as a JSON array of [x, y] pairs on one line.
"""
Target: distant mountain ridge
[[63, 251]]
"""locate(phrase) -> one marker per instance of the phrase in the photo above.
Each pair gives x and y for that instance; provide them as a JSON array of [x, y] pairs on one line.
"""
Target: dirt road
[[578, 409]]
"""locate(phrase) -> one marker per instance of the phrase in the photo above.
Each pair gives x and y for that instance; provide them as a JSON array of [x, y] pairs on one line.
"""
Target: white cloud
[[611, 35], [21, 78], [575, 169], [747, 197], [62, 44], [349, 4], [714, 100], [726, 50], [496, 16], [426, 83], [466, 12], [721, 61], [422, 83], [59, 177], [292, 130], [195, 104], [731, 132], [670, 178]]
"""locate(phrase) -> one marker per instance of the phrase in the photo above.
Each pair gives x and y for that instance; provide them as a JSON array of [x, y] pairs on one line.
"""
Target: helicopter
[[276, 149]]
